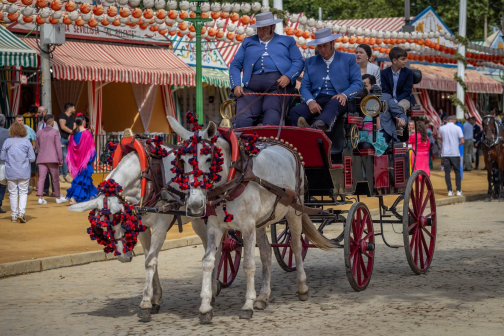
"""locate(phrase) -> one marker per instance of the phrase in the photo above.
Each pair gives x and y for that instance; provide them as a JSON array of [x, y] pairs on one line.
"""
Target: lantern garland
[[157, 148], [102, 221]]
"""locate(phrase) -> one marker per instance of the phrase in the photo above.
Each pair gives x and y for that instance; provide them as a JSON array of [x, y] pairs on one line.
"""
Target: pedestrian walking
[[478, 136], [452, 137], [17, 152], [420, 144], [42, 112], [80, 157], [468, 144], [4, 134], [49, 158], [66, 123]]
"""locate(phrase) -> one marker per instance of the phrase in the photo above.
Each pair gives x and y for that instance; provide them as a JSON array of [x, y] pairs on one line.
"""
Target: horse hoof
[[155, 309], [144, 314], [206, 318], [246, 314], [488, 199], [303, 296], [260, 304]]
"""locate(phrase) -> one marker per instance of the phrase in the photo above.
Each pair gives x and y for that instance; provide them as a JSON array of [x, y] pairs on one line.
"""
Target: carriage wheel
[[419, 222], [285, 255], [359, 246], [230, 259]]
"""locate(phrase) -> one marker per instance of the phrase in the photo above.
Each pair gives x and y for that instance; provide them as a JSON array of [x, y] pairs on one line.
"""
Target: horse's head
[[127, 174], [490, 131], [198, 164]]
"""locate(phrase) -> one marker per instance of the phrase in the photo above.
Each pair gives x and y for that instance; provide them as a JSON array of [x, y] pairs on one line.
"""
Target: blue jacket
[[404, 84], [282, 50], [387, 119], [17, 154], [344, 73]]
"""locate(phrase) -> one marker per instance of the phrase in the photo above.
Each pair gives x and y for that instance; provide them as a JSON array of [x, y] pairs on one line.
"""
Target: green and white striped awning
[[13, 52], [216, 77]]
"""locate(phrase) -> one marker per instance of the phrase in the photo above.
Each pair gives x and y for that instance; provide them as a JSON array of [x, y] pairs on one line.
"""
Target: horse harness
[[232, 189], [496, 138]]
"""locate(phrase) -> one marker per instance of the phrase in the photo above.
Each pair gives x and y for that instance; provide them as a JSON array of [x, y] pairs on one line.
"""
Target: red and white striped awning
[[471, 107], [112, 63], [389, 24], [425, 102]]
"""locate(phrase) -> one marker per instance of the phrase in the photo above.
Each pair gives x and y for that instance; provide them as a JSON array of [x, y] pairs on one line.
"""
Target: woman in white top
[[363, 53]]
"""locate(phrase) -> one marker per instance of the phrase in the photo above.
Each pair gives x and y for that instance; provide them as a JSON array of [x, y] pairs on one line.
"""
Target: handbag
[[2, 171]]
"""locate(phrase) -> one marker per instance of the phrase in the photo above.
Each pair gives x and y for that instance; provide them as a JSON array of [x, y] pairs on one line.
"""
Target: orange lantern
[[234, 17], [379, 41], [148, 13], [352, 39], [183, 14], [230, 36], [80, 22], [372, 41], [289, 31], [144, 26], [28, 19], [387, 51], [359, 40], [245, 19], [53, 20], [85, 8], [42, 4], [161, 14], [172, 14], [252, 21], [203, 30], [56, 5], [179, 34], [27, 3], [92, 22], [338, 39], [441, 47], [215, 15], [304, 47], [312, 47], [98, 10], [70, 6], [192, 15], [163, 32], [182, 25], [298, 33], [112, 11], [205, 15], [220, 34], [306, 34], [366, 40], [172, 33], [212, 32], [240, 38], [152, 28], [124, 12], [224, 15]]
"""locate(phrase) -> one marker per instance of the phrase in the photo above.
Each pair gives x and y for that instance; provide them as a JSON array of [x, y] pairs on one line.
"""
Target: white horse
[[127, 174], [274, 164]]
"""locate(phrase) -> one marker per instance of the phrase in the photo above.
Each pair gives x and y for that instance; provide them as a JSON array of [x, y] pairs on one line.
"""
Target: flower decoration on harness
[[111, 147], [102, 221], [190, 147], [156, 143], [251, 144]]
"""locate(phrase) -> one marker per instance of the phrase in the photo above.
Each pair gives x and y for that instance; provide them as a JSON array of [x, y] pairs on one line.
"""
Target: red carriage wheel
[[230, 259], [284, 254], [359, 246], [419, 222]]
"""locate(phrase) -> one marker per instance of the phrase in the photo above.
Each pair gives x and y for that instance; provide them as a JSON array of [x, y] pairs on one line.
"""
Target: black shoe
[[2, 210]]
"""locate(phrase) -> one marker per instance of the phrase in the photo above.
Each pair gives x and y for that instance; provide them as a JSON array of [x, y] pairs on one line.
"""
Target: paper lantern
[[183, 25], [205, 15], [220, 34], [80, 22], [56, 5], [42, 4], [26, 3], [224, 15], [183, 14], [306, 34], [234, 17], [215, 15], [124, 12], [245, 19], [148, 13]]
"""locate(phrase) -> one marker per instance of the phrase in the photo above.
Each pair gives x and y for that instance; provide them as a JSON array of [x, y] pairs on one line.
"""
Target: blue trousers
[[3, 187], [268, 109], [64, 168], [330, 111]]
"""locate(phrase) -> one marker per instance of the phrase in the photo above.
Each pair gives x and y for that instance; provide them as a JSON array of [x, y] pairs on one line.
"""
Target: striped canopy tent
[[216, 77], [13, 52]]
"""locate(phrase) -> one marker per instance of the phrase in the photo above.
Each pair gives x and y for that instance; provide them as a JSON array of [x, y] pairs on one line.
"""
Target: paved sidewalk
[[462, 293], [51, 230]]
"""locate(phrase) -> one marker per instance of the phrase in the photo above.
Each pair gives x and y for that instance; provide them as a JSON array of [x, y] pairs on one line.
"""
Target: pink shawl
[[78, 155]]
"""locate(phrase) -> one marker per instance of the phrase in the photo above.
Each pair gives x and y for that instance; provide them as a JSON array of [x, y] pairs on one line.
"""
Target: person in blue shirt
[[268, 61], [468, 143], [397, 80], [331, 81]]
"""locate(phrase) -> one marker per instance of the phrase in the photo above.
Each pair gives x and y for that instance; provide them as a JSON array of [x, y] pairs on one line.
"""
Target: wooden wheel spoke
[[422, 189], [231, 264], [354, 264], [416, 191], [225, 277], [429, 215], [416, 246], [424, 243], [424, 204], [221, 261], [413, 237], [428, 233], [290, 257], [284, 250], [412, 214], [359, 276], [363, 267], [412, 226], [363, 224], [420, 249], [281, 235], [367, 255], [352, 252], [367, 236]]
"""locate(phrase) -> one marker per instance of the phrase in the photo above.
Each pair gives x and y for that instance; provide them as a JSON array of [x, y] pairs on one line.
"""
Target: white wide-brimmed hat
[[265, 19], [323, 36]]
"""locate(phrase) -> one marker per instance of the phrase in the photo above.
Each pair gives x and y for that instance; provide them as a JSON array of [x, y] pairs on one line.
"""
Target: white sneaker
[[61, 200], [450, 193], [459, 192], [42, 201]]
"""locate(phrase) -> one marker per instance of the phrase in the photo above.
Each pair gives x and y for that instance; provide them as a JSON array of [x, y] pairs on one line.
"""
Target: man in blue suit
[[267, 60], [397, 80], [330, 82]]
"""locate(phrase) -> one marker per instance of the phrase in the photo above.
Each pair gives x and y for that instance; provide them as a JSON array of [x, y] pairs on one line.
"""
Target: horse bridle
[[496, 137]]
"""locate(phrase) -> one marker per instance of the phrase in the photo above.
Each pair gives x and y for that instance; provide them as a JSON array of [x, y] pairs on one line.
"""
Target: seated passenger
[[397, 80], [331, 81], [386, 127], [265, 59]]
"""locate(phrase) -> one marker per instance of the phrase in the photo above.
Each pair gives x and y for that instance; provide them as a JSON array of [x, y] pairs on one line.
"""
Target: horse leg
[[200, 228], [265, 252], [489, 179], [296, 227], [152, 291], [249, 240], [214, 238]]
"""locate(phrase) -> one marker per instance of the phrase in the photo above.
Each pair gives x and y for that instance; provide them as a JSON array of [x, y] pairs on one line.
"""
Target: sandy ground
[[462, 294], [51, 230]]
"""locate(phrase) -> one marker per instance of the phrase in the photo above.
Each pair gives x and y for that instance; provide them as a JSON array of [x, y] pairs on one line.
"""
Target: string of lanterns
[[230, 25]]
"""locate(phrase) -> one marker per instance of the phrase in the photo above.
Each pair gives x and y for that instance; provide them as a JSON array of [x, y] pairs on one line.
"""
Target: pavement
[[52, 231], [461, 294]]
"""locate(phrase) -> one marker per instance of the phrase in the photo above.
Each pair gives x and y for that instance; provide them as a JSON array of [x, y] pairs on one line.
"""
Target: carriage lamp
[[371, 106]]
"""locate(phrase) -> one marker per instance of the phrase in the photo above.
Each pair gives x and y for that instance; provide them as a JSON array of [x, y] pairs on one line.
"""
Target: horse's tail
[[314, 235]]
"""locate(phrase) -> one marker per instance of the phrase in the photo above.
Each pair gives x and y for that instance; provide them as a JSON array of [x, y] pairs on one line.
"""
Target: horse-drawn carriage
[[338, 175]]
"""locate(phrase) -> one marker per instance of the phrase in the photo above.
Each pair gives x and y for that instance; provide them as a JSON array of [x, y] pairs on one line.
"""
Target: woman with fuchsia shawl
[[80, 157]]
